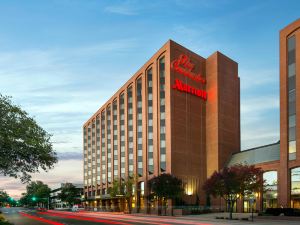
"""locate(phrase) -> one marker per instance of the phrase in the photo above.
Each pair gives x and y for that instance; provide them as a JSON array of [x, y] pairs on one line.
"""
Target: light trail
[[134, 218], [40, 219]]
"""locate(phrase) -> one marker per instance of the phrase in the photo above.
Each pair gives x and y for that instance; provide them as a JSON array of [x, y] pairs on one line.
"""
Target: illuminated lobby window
[[108, 138], [103, 148], [295, 188], [270, 195], [139, 123], [150, 121], [130, 130], [162, 110], [122, 134], [292, 97], [115, 138]]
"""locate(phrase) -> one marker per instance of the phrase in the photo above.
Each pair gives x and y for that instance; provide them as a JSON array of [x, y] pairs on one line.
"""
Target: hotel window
[[130, 130], [139, 126], [150, 118], [98, 156], [162, 114], [85, 155], [103, 148], [270, 194], [89, 155], [115, 132], [108, 131], [291, 97], [122, 134], [295, 188]]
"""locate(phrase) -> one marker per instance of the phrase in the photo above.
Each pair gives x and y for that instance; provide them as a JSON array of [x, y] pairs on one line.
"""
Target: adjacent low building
[[281, 161], [56, 202]]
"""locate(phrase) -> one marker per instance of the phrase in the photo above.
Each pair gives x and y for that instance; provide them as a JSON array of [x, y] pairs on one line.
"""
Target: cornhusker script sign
[[185, 67]]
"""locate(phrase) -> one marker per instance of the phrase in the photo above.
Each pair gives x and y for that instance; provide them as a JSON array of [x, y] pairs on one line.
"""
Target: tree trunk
[[159, 205], [129, 205], [230, 209]]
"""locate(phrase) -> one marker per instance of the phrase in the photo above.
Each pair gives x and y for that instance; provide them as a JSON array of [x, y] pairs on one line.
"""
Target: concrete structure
[[179, 114], [56, 202]]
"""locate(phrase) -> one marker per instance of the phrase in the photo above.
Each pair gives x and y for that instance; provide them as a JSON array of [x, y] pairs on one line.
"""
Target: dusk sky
[[60, 60]]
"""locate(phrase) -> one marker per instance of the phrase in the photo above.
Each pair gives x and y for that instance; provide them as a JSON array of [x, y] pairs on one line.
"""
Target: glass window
[[291, 57], [291, 43], [292, 146], [292, 108], [295, 188], [292, 135], [292, 82], [292, 96], [292, 69]]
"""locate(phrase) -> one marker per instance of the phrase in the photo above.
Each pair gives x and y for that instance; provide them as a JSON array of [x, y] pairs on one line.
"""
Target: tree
[[70, 194], [165, 186], [124, 188], [4, 197], [232, 182], [25, 147], [36, 192], [128, 189], [115, 189]]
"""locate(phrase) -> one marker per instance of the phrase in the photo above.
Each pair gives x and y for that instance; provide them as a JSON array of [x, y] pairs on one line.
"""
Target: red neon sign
[[184, 66], [180, 86]]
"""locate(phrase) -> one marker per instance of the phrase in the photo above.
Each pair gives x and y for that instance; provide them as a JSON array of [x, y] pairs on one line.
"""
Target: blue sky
[[61, 60]]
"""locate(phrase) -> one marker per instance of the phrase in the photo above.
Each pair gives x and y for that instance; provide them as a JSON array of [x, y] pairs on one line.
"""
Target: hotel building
[[179, 114]]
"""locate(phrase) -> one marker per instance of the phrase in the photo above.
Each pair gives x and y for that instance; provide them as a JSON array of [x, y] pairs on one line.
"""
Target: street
[[22, 216]]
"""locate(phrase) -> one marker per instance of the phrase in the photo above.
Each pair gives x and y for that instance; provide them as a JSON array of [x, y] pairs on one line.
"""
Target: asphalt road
[[22, 216]]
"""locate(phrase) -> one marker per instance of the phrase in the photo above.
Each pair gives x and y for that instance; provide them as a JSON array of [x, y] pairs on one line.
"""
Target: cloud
[[70, 170], [254, 79], [258, 104], [259, 120], [126, 8], [70, 156]]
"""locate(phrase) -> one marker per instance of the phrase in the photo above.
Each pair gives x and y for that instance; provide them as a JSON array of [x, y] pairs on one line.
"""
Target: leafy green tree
[[165, 186], [25, 147], [129, 184], [70, 194], [36, 192], [124, 188], [232, 182], [115, 189], [4, 197]]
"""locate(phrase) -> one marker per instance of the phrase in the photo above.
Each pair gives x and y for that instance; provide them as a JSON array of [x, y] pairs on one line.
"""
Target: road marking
[[83, 218], [40, 219]]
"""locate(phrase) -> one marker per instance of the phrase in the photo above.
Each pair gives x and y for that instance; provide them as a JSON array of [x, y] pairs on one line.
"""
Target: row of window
[[292, 97], [271, 182], [109, 129], [162, 109]]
